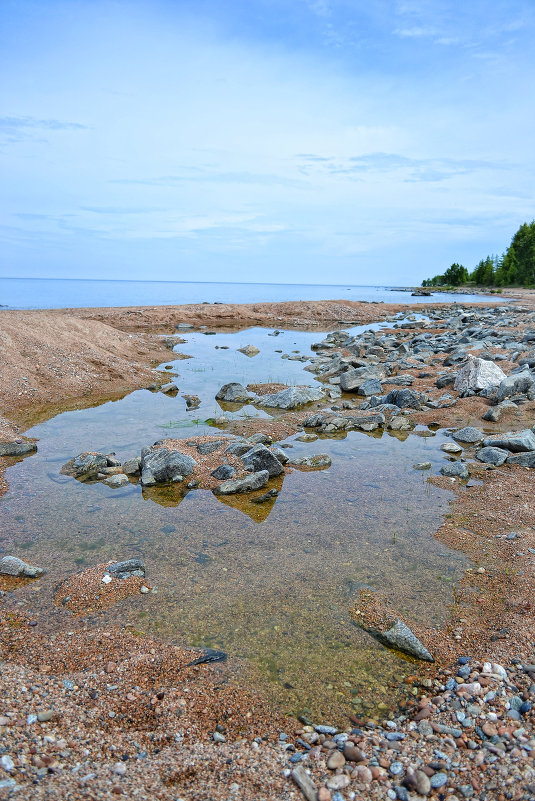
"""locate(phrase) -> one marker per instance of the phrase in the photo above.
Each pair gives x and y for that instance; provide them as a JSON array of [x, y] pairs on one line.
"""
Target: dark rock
[[223, 472], [495, 456], [129, 567], [261, 458], [234, 393], [204, 448]]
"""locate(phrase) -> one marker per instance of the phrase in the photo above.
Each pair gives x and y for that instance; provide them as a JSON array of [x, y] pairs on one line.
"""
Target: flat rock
[[517, 442], [469, 434], [253, 482], [126, 568], [451, 447], [17, 448], [204, 448], [292, 397], [478, 374], [13, 566]]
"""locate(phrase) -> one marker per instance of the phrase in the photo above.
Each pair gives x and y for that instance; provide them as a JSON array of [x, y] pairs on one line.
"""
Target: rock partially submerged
[[401, 638], [13, 566], [376, 618], [292, 398], [260, 458], [233, 393], [17, 448], [86, 466], [249, 350]]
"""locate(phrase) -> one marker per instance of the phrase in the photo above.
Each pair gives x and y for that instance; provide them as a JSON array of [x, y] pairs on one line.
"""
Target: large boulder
[[478, 374], [404, 398], [517, 442], [515, 384], [253, 482], [160, 466], [526, 459], [233, 393], [292, 397], [13, 566], [261, 458], [495, 456]]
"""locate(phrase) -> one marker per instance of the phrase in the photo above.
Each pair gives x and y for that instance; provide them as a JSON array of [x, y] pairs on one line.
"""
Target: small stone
[[7, 763], [396, 768], [422, 466], [352, 753], [217, 737], [422, 783], [336, 760], [324, 794], [144, 590], [338, 782], [43, 717], [106, 578], [438, 780]]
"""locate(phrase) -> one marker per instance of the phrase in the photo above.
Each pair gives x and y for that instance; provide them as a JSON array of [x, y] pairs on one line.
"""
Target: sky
[[294, 141]]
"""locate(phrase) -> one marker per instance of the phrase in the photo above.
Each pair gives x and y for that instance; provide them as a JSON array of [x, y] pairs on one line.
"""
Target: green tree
[[456, 275]]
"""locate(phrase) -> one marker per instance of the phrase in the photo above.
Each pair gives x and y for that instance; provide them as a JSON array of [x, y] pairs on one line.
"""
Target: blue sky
[[318, 141]]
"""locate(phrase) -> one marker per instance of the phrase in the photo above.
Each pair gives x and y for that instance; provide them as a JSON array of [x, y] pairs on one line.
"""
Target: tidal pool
[[273, 585]]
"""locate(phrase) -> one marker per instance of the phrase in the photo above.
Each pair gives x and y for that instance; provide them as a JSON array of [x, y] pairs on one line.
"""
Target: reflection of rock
[[159, 465], [255, 505], [248, 484], [13, 566], [318, 462], [168, 495], [291, 398], [233, 393]]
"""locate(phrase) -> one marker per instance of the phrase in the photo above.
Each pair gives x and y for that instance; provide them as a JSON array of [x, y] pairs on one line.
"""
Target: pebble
[[336, 760], [43, 717], [7, 763], [338, 782], [396, 768], [438, 780]]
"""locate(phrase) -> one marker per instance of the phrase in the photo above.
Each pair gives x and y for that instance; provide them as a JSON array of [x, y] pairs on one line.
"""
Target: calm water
[[272, 585], [33, 293]]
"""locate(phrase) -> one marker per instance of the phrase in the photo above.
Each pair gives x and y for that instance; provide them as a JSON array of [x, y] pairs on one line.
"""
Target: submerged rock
[[13, 566], [116, 481], [253, 482], [317, 462], [249, 350]]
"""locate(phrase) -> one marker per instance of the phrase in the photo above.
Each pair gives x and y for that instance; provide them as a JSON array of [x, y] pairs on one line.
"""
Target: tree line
[[515, 267]]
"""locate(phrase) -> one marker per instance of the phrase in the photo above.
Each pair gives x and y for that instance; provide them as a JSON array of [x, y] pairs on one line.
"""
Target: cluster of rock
[[287, 399], [162, 464]]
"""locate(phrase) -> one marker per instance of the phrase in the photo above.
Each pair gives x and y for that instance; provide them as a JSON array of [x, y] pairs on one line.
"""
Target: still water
[[273, 589]]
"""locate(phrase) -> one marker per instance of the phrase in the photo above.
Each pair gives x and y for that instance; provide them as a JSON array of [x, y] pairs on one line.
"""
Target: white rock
[[478, 374], [106, 578]]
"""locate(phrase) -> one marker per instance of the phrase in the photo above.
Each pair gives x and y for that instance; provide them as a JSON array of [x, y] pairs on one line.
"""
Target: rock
[[401, 638], [451, 447], [422, 466], [116, 481], [44, 717], [159, 466], [249, 350], [127, 568], [400, 422], [469, 434], [405, 398], [86, 465], [338, 782], [518, 442], [478, 374], [455, 470], [253, 482], [204, 448], [267, 496], [305, 784], [13, 566], [261, 458], [260, 438], [292, 397], [17, 448], [192, 401], [316, 462], [238, 448], [132, 467], [422, 784], [372, 386], [223, 472], [336, 760], [280, 454], [169, 388], [352, 753], [522, 459], [515, 384], [307, 438], [234, 393], [351, 380], [495, 456]]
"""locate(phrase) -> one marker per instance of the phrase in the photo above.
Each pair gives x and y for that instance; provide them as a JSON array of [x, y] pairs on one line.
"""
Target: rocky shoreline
[[467, 729]]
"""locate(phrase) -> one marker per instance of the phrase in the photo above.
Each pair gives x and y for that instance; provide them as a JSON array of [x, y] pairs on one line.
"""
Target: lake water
[[36, 293], [272, 585]]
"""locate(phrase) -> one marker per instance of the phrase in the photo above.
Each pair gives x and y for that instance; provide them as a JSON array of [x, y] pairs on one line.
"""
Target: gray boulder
[[233, 393], [292, 397], [351, 380], [400, 422], [17, 448], [281, 455], [469, 434], [132, 467], [405, 398], [517, 442], [238, 448], [159, 466], [478, 374], [455, 470], [516, 384], [526, 459], [261, 458], [370, 387], [13, 566], [87, 465], [253, 482], [116, 481], [496, 456]]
